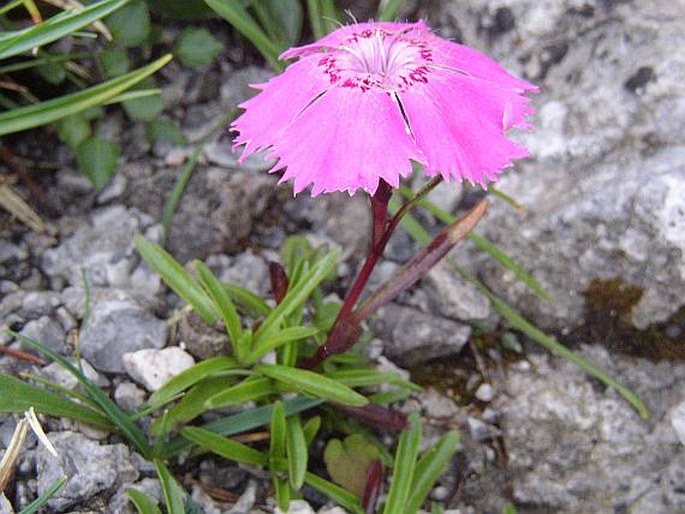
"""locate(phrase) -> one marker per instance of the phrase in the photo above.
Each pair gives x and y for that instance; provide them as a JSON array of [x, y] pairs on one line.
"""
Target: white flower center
[[378, 60]]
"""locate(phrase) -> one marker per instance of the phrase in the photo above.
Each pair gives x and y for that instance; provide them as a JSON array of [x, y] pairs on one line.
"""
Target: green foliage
[[130, 25], [97, 159], [129, 22], [197, 48], [348, 461]]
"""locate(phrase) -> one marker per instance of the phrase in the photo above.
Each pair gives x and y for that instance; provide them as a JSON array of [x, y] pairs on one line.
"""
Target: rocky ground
[[603, 230]]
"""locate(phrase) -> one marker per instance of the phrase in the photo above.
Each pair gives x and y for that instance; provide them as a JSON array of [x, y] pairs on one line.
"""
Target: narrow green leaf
[[313, 384], [287, 17], [369, 377], [190, 377], [54, 28], [315, 19], [173, 493], [97, 160], [429, 468], [298, 455], [297, 295], [249, 389], [387, 11], [193, 402], [109, 408], [248, 301], [224, 305], [235, 14], [403, 469], [177, 278], [277, 433], [243, 422], [311, 428], [227, 448], [42, 113], [280, 338], [40, 502], [142, 502], [344, 498]]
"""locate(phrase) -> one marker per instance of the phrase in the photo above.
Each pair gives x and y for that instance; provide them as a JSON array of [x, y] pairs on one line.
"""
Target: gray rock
[[47, 331], [678, 421], [39, 303], [481, 431], [576, 448], [129, 396], [92, 468], [55, 372], [5, 505], [118, 325], [485, 393], [201, 340], [249, 271], [413, 337], [605, 193], [452, 296], [247, 500], [103, 249], [437, 405], [153, 368]]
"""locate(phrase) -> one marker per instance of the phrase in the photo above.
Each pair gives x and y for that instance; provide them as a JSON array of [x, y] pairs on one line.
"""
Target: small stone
[[436, 405], [480, 431], [46, 331], [92, 468], [249, 271], [114, 189], [247, 500], [678, 421], [129, 396], [485, 392], [413, 337], [153, 368], [5, 505], [454, 297], [58, 374], [440, 493], [39, 303], [296, 507], [119, 325]]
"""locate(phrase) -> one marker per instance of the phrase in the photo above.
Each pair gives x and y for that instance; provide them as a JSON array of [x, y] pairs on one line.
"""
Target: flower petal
[[336, 38], [459, 124], [281, 99], [468, 61], [347, 139]]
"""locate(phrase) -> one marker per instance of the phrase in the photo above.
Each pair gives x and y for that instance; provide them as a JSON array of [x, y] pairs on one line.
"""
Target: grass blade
[[243, 422], [227, 310], [403, 469], [296, 445], [55, 28], [174, 497], [177, 278], [142, 502], [225, 447], [312, 384], [342, 497], [236, 14], [297, 295], [285, 336], [429, 468], [108, 407], [40, 502], [251, 388], [190, 377], [370, 377], [388, 9], [35, 115]]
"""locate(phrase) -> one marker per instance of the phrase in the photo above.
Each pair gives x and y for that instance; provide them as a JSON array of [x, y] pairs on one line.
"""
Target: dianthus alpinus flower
[[363, 102]]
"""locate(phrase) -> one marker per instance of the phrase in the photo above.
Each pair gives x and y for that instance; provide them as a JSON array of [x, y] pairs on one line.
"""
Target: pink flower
[[362, 103]]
